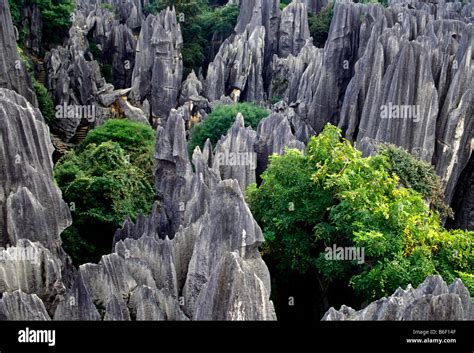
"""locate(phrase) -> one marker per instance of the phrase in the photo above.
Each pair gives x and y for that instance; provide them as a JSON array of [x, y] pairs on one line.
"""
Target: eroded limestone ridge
[[431, 301]]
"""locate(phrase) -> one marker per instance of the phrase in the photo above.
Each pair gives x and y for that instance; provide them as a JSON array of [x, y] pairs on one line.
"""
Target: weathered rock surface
[[19, 306], [150, 276], [13, 73], [239, 65], [235, 156], [158, 64], [33, 214], [31, 206], [294, 29], [433, 300]]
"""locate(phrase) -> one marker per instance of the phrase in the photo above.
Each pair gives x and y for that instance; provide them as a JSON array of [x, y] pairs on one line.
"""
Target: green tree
[[330, 195], [136, 139], [45, 102], [418, 175], [105, 183], [320, 23], [199, 21], [221, 119]]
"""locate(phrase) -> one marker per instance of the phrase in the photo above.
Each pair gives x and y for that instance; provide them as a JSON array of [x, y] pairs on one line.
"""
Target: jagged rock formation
[[235, 156], [244, 61], [159, 66], [117, 43], [30, 203], [239, 65], [150, 276], [404, 43], [294, 29], [132, 13], [32, 22], [274, 134], [33, 214], [13, 73], [433, 300], [19, 306]]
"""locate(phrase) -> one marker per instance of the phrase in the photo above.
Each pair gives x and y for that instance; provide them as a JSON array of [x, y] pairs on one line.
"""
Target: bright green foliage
[[105, 183], [319, 25], [221, 119], [136, 139], [45, 102], [332, 195], [418, 175]]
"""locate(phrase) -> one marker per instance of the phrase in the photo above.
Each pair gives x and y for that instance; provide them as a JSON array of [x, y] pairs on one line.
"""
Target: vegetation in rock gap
[[201, 21], [221, 119], [108, 179], [331, 197], [319, 25], [56, 17], [418, 175], [45, 102]]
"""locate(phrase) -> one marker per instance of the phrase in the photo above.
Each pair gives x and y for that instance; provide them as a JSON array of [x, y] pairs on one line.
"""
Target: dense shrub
[[45, 102], [332, 195], [108, 179], [319, 25], [418, 175], [136, 139], [221, 119]]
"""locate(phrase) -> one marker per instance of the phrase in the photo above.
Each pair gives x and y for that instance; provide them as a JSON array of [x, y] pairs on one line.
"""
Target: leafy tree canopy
[[332, 195], [221, 119], [104, 182]]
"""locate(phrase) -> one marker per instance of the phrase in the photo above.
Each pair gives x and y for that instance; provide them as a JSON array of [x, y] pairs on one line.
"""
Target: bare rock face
[[274, 134], [13, 73], [239, 65], [433, 300], [33, 214], [32, 22], [431, 114], [30, 202], [158, 64], [32, 269], [173, 172], [117, 44], [235, 155], [294, 29], [19, 306], [132, 13]]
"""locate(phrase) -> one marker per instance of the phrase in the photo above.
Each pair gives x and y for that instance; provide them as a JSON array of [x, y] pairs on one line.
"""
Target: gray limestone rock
[[19, 306], [158, 67], [13, 73], [433, 300], [235, 156]]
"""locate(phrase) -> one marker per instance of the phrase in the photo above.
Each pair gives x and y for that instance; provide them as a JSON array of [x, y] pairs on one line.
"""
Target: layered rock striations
[[13, 73], [433, 300], [158, 67], [153, 275], [33, 214]]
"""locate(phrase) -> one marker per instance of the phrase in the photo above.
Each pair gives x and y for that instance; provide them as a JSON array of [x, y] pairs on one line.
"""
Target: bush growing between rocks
[[108, 179], [332, 195], [219, 121]]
